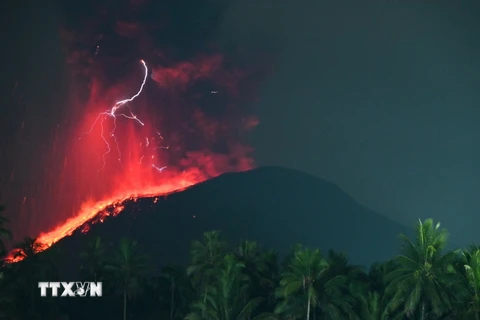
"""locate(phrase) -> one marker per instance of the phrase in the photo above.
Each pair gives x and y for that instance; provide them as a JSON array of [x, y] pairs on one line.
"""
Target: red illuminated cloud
[[181, 74]]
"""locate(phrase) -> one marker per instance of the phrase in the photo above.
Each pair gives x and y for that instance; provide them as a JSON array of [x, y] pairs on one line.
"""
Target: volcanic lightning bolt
[[112, 205], [113, 114]]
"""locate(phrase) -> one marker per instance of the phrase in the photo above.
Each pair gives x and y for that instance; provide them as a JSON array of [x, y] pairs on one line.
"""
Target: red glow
[[122, 159]]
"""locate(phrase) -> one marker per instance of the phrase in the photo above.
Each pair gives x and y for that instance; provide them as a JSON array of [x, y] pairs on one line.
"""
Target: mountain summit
[[274, 206]]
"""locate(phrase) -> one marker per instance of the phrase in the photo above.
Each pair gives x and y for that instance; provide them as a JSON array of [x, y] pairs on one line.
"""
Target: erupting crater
[[134, 164]]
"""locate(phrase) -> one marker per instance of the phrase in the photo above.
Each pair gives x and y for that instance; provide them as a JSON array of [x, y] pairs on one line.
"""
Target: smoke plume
[[194, 111]]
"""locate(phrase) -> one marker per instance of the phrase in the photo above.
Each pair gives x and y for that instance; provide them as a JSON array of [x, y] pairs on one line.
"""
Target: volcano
[[276, 207]]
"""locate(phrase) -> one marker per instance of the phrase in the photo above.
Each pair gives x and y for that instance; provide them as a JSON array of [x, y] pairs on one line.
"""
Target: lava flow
[[130, 163], [97, 211]]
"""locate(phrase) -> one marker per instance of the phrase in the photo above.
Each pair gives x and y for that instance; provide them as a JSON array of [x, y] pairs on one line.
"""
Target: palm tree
[[177, 289], [467, 290], [377, 274], [338, 263], [93, 258], [48, 261], [228, 297], [206, 257], [370, 305], [258, 264], [368, 293], [270, 278], [128, 268], [262, 268], [297, 284], [333, 287], [250, 255], [419, 284]]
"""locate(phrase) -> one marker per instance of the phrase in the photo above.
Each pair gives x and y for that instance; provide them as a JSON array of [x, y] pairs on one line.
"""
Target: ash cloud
[[199, 95]]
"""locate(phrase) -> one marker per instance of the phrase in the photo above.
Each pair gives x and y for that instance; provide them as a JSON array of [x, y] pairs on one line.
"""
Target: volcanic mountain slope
[[274, 206]]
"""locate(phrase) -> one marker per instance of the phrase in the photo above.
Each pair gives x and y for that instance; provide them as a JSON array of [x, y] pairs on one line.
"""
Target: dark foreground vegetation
[[246, 282]]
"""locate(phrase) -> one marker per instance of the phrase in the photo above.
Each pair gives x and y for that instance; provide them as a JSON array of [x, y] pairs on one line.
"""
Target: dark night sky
[[382, 100]]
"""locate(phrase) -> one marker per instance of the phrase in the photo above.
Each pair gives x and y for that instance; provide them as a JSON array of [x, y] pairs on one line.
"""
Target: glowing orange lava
[[91, 210], [98, 210]]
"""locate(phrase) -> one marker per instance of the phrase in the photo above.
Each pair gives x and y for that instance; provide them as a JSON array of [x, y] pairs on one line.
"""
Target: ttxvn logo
[[71, 289]]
